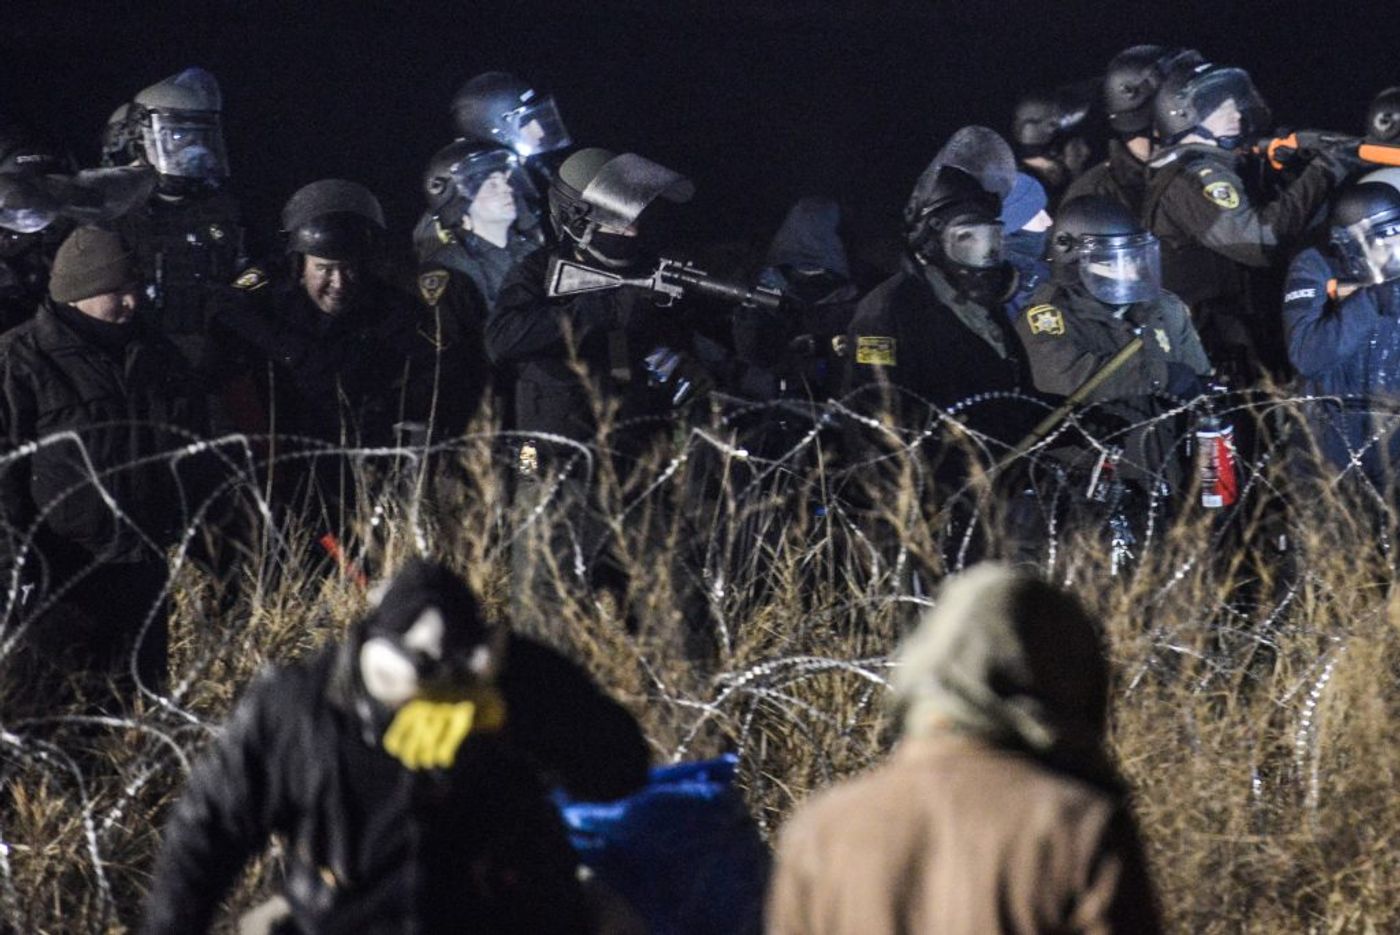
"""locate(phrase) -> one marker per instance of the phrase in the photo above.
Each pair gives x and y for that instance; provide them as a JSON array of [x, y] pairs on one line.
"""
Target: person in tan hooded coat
[[999, 810]]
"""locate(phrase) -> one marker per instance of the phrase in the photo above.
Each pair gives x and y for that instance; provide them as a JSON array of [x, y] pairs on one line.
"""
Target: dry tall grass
[[1254, 705]]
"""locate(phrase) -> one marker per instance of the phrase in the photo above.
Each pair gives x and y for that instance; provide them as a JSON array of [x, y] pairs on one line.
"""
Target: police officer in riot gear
[[1341, 317], [602, 207], [30, 229], [476, 195], [936, 332], [335, 333], [1046, 132], [493, 110], [1129, 88], [500, 109], [572, 355], [1105, 289], [1213, 230], [188, 236]]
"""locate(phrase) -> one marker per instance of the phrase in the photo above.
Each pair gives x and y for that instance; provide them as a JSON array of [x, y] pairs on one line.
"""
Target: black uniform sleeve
[[1062, 357], [230, 806], [589, 742], [526, 323], [1211, 204]]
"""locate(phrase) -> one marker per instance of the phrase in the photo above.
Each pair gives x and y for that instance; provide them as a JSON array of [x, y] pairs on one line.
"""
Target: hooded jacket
[[999, 811], [372, 846]]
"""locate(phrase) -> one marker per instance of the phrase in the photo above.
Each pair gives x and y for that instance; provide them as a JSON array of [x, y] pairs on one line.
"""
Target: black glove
[[1138, 315], [1339, 161]]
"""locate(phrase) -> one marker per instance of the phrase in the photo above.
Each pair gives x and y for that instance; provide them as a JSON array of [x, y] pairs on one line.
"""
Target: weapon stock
[[671, 280]]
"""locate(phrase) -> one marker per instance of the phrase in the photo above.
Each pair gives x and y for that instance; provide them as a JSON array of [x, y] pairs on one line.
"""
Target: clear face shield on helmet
[[1121, 270], [187, 145], [472, 172], [533, 127], [1213, 89], [1371, 249], [975, 244]]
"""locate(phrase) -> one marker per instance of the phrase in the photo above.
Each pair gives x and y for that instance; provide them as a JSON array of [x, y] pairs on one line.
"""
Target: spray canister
[[1215, 461]]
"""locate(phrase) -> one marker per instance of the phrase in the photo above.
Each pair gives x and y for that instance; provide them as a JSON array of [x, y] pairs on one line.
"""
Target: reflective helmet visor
[[186, 145], [1121, 270], [1213, 88], [533, 127], [471, 173], [1370, 248], [974, 244]]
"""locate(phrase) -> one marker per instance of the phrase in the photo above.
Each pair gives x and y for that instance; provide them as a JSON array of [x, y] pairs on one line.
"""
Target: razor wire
[[771, 503]]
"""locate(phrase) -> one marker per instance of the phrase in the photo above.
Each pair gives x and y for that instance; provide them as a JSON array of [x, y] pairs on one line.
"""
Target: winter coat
[[955, 835], [1348, 351], [374, 847], [934, 347], [340, 380], [132, 401]]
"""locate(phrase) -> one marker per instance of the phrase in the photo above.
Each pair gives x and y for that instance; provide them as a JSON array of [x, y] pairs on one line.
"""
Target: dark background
[[759, 101]]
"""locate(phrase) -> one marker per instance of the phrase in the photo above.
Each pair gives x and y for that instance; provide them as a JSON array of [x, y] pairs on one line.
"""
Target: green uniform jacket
[[1069, 335]]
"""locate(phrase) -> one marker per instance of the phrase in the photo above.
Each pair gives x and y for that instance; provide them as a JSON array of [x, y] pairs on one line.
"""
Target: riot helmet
[[1131, 83], [334, 219], [1097, 241], [956, 222], [597, 199], [979, 151], [23, 153], [1194, 90], [121, 139], [181, 132], [26, 204], [457, 172], [500, 109], [1043, 121], [1383, 118], [1365, 224]]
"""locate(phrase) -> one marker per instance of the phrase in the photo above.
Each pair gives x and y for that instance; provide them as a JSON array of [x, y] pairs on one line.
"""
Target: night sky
[[759, 101]]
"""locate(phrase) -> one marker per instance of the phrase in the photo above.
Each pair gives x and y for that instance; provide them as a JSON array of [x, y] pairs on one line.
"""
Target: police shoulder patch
[[875, 349], [1045, 319], [432, 284], [251, 278], [1162, 340], [1222, 194]]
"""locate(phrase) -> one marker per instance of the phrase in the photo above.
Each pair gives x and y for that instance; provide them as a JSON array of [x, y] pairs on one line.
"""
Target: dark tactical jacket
[[1069, 336], [1120, 177], [912, 335], [374, 847], [187, 249], [1214, 233]]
